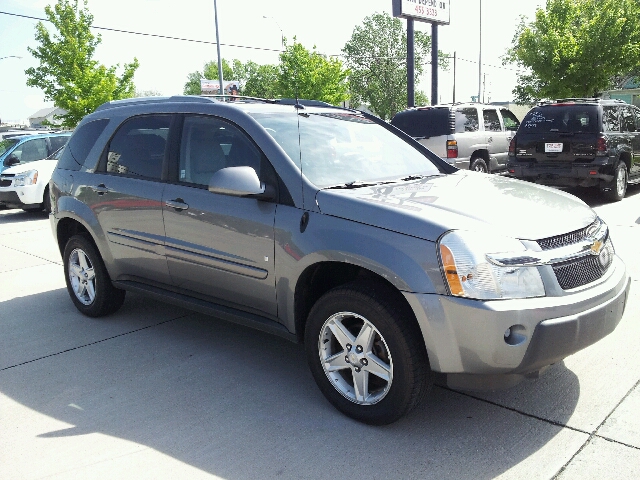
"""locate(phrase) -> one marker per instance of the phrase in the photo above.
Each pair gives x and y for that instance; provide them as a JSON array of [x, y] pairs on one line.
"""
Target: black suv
[[581, 142]]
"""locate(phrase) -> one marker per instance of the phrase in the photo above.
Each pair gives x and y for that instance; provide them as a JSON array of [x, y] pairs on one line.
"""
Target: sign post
[[435, 12]]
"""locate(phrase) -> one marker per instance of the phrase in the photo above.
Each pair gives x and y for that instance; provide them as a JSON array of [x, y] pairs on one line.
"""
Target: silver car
[[330, 227], [473, 136]]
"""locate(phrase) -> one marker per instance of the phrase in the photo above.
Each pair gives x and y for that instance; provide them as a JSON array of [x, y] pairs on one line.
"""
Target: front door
[[219, 245]]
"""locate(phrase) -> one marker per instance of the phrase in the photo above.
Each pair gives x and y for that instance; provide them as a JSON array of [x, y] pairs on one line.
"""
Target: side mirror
[[240, 182], [11, 160]]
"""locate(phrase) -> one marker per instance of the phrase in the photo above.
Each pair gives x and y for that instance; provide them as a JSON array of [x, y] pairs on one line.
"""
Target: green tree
[[209, 72], [262, 82], [311, 75], [68, 74], [575, 48], [376, 55]]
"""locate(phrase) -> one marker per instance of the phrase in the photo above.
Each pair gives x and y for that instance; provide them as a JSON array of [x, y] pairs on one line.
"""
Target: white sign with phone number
[[436, 11]]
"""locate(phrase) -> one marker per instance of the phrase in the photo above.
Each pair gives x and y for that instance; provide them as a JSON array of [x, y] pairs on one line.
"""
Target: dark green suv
[[579, 142]]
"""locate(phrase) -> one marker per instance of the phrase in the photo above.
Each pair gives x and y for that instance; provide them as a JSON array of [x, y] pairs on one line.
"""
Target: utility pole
[[480, 57], [411, 64], [215, 10]]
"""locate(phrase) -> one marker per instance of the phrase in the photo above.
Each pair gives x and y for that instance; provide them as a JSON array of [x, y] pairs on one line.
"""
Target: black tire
[[478, 165], [96, 296], [616, 189], [46, 201], [396, 344]]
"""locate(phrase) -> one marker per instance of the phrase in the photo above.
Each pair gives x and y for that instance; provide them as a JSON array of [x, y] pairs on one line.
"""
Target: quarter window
[[628, 120], [511, 122], [466, 120], [138, 147], [210, 144]]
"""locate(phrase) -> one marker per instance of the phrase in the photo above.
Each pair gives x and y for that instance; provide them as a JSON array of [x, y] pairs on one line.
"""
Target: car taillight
[[601, 145], [512, 147], [452, 149]]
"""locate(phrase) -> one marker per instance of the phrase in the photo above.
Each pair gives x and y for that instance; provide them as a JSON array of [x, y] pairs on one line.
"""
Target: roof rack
[[580, 100]]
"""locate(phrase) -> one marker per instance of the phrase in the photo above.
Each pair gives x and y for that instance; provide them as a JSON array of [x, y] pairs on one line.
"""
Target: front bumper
[[9, 198], [563, 173], [20, 197], [465, 338]]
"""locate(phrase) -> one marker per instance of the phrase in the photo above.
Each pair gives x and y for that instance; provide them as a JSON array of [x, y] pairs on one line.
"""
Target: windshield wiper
[[418, 177], [357, 184]]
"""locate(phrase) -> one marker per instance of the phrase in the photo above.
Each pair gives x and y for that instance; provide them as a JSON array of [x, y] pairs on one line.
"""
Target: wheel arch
[[319, 278]]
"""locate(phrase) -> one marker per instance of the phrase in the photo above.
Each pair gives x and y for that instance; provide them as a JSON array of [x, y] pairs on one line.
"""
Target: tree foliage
[[209, 72], [376, 55], [308, 74], [576, 48], [67, 73]]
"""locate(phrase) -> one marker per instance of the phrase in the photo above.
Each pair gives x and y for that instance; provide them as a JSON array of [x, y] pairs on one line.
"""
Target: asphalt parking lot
[[155, 391]]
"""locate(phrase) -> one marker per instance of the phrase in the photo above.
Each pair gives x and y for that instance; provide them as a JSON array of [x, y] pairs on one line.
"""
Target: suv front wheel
[[616, 189], [364, 354], [87, 279]]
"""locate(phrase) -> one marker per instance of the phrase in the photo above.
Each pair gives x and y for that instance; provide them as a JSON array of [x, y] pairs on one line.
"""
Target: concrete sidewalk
[[155, 391]]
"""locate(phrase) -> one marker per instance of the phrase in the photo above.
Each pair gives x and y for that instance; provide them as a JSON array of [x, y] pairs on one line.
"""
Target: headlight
[[468, 272], [26, 178]]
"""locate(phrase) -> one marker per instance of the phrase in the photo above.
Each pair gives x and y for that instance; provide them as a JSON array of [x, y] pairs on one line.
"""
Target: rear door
[[218, 245], [630, 120], [125, 194], [497, 143]]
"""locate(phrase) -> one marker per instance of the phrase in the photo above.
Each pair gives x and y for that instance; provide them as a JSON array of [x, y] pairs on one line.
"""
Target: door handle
[[177, 204], [101, 189]]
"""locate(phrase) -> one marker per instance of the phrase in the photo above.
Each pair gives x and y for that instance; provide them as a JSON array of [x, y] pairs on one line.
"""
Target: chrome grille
[[565, 239], [583, 270]]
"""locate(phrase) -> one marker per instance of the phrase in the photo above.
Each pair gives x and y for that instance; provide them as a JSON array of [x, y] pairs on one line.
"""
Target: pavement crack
[[93, 343]]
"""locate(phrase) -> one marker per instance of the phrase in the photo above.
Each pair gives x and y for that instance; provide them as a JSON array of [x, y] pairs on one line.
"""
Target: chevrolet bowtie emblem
[[596, 247]]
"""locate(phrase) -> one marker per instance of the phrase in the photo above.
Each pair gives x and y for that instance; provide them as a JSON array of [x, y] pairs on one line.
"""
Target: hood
[[463, 200], [41, 165]]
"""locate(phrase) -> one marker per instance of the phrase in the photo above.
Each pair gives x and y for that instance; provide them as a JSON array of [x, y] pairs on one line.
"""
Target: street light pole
[[279, 27], [215, 10], [480, 57]]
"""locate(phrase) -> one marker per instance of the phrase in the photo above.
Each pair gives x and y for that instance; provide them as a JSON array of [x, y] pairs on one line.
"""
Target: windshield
[[345, 148], [6, 144]]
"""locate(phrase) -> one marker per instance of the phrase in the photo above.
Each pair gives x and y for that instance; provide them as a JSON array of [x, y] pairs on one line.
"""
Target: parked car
[[21, 149], [381, 260], [579, 142], [472, 136], [26, 186]]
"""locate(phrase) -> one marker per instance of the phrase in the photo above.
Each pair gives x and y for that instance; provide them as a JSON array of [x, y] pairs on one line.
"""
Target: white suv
[[455, 133]]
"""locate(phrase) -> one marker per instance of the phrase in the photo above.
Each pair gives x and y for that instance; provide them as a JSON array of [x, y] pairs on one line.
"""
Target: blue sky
[[164, 64]]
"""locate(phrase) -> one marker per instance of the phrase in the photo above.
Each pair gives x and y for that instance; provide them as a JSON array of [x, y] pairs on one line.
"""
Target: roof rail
[[142, 100], [580, 100]]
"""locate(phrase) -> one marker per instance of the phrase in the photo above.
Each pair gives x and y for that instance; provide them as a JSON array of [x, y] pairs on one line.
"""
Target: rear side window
[[31, 150], [424, 123], [80, 144], [628, 120], [561, 118], [610, 119], [137, 149], [467, 120]]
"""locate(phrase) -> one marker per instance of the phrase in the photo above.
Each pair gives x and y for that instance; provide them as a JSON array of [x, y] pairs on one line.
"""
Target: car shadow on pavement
[[592, 196], [20, 216], [239, 403]]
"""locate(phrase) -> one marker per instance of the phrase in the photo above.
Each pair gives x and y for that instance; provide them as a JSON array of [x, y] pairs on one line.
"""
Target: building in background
[[47, 115]]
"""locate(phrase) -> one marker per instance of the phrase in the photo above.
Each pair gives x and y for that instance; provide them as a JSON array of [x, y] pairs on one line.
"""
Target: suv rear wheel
[[364, 354], [87, 279], [616, 189]]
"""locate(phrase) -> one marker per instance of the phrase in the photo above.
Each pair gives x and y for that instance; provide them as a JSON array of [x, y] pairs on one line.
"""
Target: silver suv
[[472, 136], [330, 227]]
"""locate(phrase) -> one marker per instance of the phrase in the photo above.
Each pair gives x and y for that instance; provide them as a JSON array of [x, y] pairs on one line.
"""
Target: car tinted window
[[561, 118], [57, 142], [31, 150], [337, 148], [80, 144], [636, 114], [610, 119], [510, 121], [491, 120], [428, 122], [137, 149], [209, 144], [466, 120]]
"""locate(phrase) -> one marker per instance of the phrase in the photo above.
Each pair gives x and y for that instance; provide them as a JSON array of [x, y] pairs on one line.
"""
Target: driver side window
[[209, 144]]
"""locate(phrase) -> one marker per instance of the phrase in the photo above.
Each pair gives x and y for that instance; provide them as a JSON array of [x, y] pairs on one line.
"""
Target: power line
[[155, 35]]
